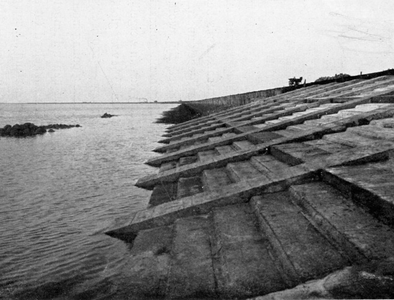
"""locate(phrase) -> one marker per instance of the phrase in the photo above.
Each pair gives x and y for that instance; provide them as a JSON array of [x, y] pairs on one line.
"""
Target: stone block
[[191, 273], [146, 269]]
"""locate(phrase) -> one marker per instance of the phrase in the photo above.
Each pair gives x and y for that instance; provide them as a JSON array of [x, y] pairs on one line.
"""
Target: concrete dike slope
[[192, 109], [189, 110], [260, 199]]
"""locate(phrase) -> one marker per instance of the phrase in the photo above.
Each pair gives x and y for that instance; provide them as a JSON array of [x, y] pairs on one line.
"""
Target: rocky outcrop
[[59, 126], [29, 129], [107, 115]]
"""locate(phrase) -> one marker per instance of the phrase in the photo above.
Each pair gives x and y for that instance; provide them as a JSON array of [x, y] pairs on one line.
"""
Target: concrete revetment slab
[[260, 198]]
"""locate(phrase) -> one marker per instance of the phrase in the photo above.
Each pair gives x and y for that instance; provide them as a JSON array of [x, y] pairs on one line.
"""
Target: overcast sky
[[123, 50]]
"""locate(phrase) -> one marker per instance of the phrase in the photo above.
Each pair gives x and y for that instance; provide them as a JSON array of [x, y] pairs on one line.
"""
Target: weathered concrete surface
[[300, 93], [374, 280], [346, 224], [370, 185], [266, 196], [307, 254], [215, 179], [309, 91], [202, 203], [194, 169], [244, 264], [281, 112], [191, 273], [297, 153], [166, 213], [374, 113], [148, 266], [162, 193], [189, 186]]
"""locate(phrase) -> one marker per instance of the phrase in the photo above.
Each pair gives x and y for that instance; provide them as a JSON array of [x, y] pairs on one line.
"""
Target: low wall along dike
[[285, 197], [212, 105], [193, 109]]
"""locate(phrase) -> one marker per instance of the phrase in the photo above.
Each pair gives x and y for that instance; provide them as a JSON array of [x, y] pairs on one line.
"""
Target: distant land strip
[[158, 102]]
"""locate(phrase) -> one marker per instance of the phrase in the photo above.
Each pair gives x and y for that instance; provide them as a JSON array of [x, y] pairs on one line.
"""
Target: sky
[[125, 50]]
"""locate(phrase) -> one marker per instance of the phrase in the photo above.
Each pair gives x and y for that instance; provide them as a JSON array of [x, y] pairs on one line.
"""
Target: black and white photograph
[[196, 149]]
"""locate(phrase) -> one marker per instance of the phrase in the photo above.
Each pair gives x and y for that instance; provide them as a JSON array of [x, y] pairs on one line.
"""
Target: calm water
[[57, 191]]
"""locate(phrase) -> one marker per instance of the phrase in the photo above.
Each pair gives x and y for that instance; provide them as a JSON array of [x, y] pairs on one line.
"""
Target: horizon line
[[158, 102]]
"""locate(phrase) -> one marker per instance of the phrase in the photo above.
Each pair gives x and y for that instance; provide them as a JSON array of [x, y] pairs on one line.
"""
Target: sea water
[[59, 190]]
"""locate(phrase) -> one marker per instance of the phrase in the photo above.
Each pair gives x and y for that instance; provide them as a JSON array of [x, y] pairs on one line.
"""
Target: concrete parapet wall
[[210, 105]]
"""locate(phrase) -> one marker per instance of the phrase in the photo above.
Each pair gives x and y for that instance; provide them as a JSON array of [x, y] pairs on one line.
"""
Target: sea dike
[[257, 200]]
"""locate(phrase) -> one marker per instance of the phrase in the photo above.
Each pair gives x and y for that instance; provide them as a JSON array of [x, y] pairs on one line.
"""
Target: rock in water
[[40, 130], [107, 115], [29, 129]]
